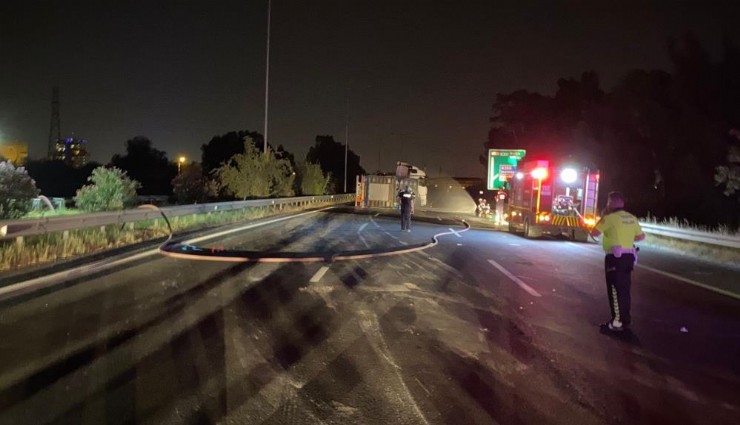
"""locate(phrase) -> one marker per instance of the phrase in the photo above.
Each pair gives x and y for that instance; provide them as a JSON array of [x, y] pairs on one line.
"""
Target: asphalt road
[[483, 328]]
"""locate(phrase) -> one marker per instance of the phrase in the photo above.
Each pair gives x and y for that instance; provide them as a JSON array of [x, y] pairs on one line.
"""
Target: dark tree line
[[660, 137], [329, 154], [158, 175]]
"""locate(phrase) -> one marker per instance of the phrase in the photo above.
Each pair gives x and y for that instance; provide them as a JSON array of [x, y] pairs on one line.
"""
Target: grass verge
[[47, 248]]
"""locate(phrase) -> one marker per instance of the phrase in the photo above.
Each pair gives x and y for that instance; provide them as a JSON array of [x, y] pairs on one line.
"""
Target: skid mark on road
[[370, 326], [516, 280]]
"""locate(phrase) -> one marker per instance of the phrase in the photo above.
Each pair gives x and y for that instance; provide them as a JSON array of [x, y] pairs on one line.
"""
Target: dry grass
[[685, 224], [713, 253]]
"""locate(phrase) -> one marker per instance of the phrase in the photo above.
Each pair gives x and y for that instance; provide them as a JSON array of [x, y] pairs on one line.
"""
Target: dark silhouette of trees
[[221, 149], [191, 186], [329, 154], [57, 179], [665, 139], [147, 165]]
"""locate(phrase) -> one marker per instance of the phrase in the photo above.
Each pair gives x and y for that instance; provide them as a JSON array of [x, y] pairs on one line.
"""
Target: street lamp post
[[346, 140], [267, 72], [180, 161]]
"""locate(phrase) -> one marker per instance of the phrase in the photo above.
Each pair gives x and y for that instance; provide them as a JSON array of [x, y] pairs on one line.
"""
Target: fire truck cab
[[553, 199]]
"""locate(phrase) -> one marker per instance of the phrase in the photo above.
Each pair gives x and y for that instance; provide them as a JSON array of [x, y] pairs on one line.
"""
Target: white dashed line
[[319, 274], [364, 225], [516, 280]]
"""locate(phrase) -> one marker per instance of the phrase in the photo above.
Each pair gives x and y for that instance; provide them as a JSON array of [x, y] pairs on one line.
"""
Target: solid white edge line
[[673, 276], [319, 274], [516, 280], [690, 281]]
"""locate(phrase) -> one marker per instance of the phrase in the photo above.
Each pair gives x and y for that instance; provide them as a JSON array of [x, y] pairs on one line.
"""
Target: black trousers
[[405, 219], [618, 282]]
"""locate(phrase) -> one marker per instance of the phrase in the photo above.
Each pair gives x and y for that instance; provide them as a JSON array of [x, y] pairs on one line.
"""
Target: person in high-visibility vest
[[620, 231]]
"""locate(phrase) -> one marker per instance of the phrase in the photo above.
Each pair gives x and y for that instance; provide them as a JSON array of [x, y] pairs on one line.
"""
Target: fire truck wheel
[[527, 233], [580, 235]]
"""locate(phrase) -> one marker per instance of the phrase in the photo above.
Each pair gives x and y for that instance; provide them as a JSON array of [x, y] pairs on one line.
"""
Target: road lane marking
[[690, 281], [362, 227], [516, 280], [455, 232], [319, 274], [671, 275]]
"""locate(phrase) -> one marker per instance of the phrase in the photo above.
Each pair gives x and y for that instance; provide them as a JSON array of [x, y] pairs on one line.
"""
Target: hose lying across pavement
[[178, 249]]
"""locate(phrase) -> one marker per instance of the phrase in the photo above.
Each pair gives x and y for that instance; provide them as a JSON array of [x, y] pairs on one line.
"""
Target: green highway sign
[[502, 166]]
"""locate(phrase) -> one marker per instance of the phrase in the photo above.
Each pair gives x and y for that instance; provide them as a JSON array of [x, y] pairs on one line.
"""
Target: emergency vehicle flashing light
[[568, 175], [519, 175]]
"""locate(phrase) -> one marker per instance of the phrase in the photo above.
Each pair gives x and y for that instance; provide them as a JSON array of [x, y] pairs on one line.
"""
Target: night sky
[[417, 78]]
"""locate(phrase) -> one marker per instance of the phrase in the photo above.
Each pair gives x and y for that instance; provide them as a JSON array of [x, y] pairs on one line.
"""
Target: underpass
[[483, 327]]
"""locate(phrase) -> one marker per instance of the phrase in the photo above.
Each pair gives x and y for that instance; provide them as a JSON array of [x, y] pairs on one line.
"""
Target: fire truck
[[553, 199]]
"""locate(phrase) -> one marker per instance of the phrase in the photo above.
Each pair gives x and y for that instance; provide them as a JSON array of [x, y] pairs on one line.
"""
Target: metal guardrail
[[692, 235], [18, 228]]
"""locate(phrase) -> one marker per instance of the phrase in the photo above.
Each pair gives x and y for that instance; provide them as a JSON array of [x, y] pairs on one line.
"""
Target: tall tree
[[221, 149], [329, 154], [254, 175], [311, 181], [147, 165]]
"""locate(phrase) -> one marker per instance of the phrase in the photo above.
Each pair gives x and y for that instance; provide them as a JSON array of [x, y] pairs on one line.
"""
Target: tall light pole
[[267, 71], [180, 161], [346, 141]]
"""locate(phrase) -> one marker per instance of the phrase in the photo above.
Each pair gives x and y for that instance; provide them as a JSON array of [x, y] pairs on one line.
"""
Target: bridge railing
[[30, 227]]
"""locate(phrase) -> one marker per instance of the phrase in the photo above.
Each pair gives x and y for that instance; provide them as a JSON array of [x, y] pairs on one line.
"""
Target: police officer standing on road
[[621, 230], [406, 200]]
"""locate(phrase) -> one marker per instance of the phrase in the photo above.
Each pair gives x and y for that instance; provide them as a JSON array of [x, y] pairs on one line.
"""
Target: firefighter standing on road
[[406, 201], [621, 230]]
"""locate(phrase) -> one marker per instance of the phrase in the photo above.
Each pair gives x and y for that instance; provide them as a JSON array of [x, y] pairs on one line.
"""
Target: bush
[[111, 189], [17, 190], [312, 179]]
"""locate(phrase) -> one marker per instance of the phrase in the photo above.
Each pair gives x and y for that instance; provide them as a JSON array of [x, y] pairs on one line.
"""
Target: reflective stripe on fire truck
[[560, 220]]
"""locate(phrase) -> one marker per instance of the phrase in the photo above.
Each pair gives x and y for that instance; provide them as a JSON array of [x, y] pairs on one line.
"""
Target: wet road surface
[[484, 327]]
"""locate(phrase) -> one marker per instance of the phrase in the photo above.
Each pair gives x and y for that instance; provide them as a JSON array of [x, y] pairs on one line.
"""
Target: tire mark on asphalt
[[371, 328]]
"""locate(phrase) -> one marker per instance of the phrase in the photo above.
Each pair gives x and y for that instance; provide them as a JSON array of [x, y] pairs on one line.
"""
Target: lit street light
[[180, 161]]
